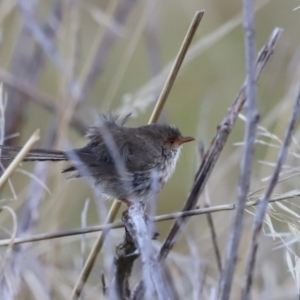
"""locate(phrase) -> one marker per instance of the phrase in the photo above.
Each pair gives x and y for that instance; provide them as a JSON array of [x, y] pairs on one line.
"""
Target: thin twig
[[14, 164], [213, 233], [102, 48], [39, 97], [176, 66], [153, 276], [83, 225], [123, 263], [215, 149], [248, 153], [155, 115], [262, 207], [152, 46], [203, 282], [97, 43], [218, 143], [209, 218], [41, 37], [127, 56], [116, 225], [13, 236], [94, 252], [146, 95], [103, 282], [29, 90], [27, 64]]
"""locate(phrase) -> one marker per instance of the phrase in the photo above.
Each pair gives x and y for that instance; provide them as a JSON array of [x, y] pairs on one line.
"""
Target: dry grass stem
[[176, 66], [155, 115], [27, 63], [136, 224], [145, 95], [94, 252], [39, 97], [166, 217], [214, 237], [90, 59], [209, 218], [11, 243], [6, 8], [219, 141], [20, 156], [214, 151], [103, 45], [127, 56], [63, 64], [261, 210], [252, 116], [123, 264], [41, 37]]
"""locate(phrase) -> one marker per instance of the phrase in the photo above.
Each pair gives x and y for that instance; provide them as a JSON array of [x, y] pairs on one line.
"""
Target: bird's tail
[[8, 153]]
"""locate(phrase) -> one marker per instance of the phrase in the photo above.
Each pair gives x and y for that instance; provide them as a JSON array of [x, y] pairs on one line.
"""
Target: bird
[[126, 163]]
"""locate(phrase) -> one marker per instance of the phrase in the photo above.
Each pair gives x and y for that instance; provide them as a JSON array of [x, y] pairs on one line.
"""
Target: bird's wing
[[98, 160], [139, 156], [95, 158], [132, 150]]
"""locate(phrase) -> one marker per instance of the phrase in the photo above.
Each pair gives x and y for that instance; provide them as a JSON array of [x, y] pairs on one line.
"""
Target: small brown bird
[[130, 164]]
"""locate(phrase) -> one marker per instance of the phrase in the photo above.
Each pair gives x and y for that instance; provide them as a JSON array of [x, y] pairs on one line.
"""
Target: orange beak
[[186, 139]]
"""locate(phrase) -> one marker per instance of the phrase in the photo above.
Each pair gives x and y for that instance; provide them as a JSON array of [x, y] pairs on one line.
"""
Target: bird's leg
[[126, 202]]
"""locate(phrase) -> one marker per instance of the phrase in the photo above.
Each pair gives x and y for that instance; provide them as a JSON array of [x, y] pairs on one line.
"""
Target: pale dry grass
[[53, 266]]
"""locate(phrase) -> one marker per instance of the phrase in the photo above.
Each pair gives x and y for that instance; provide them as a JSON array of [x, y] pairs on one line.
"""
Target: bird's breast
[[169, 165]]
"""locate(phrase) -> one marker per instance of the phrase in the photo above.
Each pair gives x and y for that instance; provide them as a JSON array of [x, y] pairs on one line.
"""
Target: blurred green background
[[137, 51]]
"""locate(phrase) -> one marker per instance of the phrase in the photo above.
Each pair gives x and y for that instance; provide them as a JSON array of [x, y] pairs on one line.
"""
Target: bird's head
[[167, 137]]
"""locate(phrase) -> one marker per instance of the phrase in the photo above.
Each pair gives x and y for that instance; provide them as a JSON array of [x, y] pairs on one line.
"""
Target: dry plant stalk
[[28, 61], [175, 68], [210, 220], [19, 158], [128, 55], [13, 236], [248, 153], [41, 36], [136, 224], [155, 115], [102, 46], [116, 225], [218, 142], [39, 97], [263, 204], [213, 153], [153, 86], [106, 227], [123, 264]]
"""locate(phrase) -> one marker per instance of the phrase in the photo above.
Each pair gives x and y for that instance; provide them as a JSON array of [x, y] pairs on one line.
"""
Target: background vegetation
[[50, 49]]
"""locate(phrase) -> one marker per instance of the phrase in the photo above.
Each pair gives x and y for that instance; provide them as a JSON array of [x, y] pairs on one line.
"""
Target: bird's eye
[[171, 141]]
